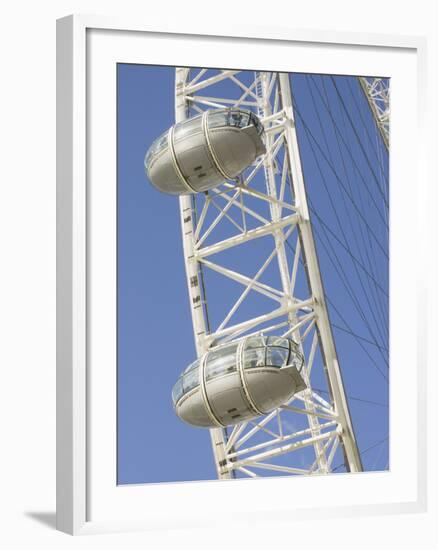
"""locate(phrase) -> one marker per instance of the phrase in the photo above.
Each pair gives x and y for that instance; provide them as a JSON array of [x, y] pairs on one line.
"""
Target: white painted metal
[[376, 91], [284, 193], [218, 435]]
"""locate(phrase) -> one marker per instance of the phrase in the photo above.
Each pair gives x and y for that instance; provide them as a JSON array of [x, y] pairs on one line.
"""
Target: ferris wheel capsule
[[238, 381], [199, 153]]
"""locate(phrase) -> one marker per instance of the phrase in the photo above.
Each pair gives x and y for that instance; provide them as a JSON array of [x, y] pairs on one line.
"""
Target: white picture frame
[[85, 501]]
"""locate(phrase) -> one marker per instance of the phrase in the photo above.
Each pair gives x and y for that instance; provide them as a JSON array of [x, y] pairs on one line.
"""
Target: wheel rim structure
[[376, 91], [267, 205]]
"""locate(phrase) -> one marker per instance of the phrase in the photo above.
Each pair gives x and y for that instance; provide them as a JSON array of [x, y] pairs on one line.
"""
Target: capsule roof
[[238, 118], [200, 152]]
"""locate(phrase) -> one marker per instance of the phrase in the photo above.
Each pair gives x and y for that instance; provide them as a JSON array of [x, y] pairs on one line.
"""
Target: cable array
[[346, 171]]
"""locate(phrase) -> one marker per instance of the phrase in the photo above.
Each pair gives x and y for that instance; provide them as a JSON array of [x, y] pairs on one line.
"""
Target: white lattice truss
[[252, 448], [377, 93]]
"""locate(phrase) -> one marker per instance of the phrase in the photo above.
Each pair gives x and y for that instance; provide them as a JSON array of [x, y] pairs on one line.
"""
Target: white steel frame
[[328, 423], [376, 91]]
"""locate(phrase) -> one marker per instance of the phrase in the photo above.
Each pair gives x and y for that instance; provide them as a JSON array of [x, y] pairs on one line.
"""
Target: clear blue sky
[[155, 338]]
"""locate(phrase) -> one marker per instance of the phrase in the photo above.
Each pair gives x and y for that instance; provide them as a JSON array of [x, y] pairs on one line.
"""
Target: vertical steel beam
[[265, 110], [218, 435], [327, 345]]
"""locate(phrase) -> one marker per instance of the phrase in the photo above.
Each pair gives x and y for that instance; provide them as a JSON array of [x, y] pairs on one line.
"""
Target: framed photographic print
[[238, 219]]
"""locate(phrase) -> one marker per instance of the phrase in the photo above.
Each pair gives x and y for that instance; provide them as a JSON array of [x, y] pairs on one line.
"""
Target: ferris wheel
[[267, 380]]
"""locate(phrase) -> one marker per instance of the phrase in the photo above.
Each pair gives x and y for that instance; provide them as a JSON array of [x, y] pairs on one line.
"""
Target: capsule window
[[188, 127], [190, 380], [245, 119], [297, 360], [157, 146], [254, 358], [242, 118], [177, 391], [221, 361], [294, 346], [192, 366], [278, 341], [276, 356], [235, 118], [162, 142], [255, 342], [258, 125], [217, 119]]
